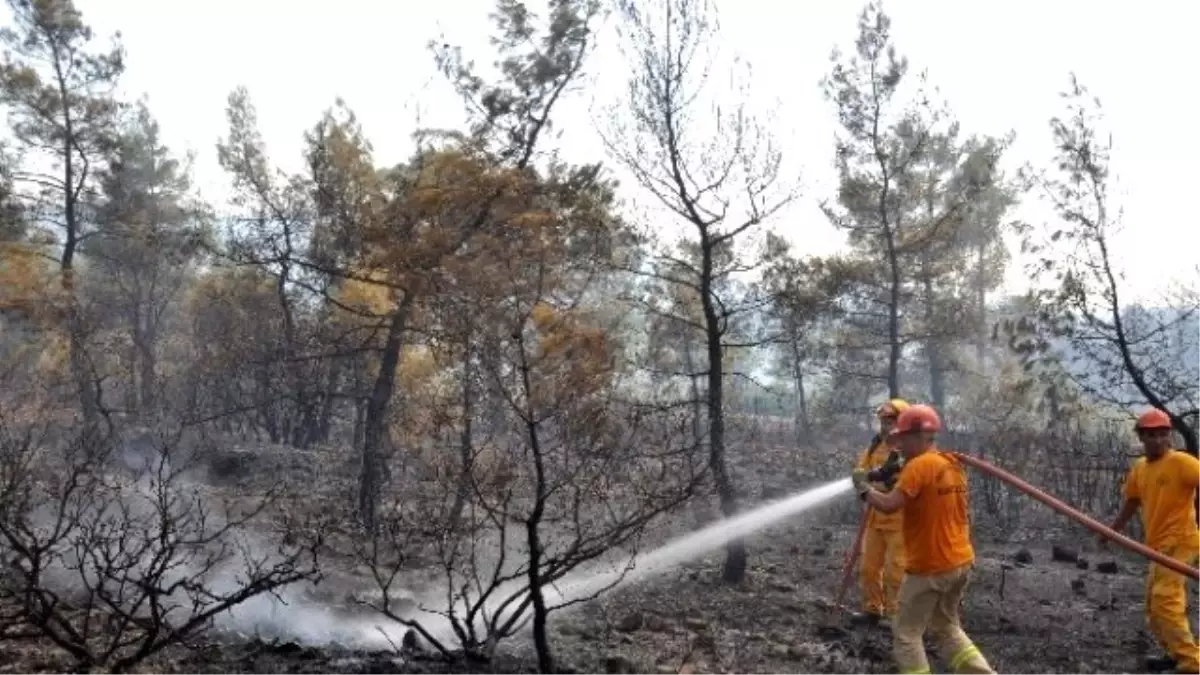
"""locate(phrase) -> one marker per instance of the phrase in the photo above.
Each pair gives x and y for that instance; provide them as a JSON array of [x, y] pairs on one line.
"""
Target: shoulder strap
[[876, 441]]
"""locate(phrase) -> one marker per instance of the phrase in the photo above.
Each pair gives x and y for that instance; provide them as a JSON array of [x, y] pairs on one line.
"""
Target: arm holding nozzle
[[884, 477], [886, 474]]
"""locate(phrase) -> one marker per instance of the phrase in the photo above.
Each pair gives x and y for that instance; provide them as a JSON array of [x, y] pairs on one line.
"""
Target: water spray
[[587, 583]]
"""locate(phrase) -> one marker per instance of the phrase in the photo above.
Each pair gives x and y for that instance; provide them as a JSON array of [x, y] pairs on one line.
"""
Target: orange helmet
[[892, 407], [1153, 419], [917, 418]]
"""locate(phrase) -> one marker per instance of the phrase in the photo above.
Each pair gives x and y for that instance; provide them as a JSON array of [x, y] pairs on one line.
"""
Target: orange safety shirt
[[937, 528]]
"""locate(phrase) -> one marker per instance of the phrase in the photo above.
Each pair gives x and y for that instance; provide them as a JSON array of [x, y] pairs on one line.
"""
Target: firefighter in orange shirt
[[932, 490], [883, 543], [1162, 484]]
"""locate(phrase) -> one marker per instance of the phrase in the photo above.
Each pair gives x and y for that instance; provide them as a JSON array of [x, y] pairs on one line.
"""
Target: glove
[[860, 481]]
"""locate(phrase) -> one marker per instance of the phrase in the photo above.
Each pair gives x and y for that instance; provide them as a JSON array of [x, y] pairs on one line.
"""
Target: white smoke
[[601, 577], [293, 613]]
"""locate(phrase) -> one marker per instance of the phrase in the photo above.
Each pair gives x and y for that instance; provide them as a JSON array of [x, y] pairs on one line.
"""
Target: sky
[[999, 65]]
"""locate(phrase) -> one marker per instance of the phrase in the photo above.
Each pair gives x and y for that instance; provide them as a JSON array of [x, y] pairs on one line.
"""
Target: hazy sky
[[999, 65]]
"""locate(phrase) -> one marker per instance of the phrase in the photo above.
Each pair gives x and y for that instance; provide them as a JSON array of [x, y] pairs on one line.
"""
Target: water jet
[[585, 583]]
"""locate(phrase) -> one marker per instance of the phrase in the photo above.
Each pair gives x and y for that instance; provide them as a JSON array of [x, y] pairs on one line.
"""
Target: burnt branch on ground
[[112, 562]]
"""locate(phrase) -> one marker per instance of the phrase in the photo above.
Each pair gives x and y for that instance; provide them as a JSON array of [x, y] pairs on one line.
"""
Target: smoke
[[134, 504], [600, 577], [292, 614], [124, 533]]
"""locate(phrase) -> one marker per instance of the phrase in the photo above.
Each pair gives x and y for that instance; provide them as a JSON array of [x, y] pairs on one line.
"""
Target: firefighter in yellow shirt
[[882, 568], [1163, 484]]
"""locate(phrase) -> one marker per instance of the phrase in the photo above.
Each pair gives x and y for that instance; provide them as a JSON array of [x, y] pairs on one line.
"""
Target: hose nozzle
[[887, 472]]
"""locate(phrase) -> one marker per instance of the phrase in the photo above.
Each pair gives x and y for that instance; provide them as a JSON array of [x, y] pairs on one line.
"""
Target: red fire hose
[[1077, 516], [851, 558]]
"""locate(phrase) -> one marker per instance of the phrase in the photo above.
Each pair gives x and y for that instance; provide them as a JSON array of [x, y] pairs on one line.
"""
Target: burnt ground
[[1052, 617], [1041, 616]]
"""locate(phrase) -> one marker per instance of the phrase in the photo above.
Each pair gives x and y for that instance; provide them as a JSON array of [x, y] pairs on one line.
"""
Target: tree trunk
[[360, 416], [893, 259], [133, 393], [1189, 439], [76, 340], [735, 550], [937, 375], [541, 639], [541, 642], [803, 425], [933, 346], [268, 410], [982, 335], [77, 346], [328, 402], [149, 368], [375, 424], [466, 447], [697, 403]]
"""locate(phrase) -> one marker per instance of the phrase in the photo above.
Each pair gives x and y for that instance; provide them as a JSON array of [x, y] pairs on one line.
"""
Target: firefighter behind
[[1162, 483], [932, 490], [883, 543]]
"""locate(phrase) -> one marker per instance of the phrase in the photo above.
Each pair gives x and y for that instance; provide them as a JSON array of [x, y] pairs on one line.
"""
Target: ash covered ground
[[1026, 610]]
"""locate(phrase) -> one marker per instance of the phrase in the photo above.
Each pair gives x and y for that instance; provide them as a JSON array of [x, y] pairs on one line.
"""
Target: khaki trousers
[[931, 602]]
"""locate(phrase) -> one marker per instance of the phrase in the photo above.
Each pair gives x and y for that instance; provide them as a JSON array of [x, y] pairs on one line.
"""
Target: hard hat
[[917, 418], [1153, 419], [891, 407]]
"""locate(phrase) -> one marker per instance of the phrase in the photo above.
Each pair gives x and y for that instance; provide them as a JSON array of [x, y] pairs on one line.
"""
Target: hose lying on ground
[[1079, 517]]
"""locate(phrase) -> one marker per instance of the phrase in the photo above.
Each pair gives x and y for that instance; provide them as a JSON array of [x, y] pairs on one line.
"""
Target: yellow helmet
[[892, 408]]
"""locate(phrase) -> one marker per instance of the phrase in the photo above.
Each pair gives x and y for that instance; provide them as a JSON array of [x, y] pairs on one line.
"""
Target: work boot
[[865, 619], [1159, 664]]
